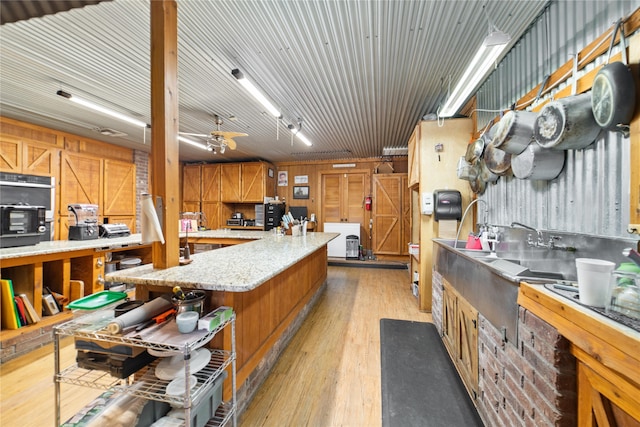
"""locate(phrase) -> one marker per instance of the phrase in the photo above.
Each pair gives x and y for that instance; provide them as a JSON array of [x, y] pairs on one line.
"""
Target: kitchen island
[[270, 281]]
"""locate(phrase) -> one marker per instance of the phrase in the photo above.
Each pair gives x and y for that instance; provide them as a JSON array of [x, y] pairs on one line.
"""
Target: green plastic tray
[[97, 300]]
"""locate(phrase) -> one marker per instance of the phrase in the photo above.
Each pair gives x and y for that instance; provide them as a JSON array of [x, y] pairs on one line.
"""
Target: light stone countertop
[[237, 268], [62, 246]]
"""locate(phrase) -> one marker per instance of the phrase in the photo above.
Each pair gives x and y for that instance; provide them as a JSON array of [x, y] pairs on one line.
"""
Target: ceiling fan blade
[[230, 143], [227, 135]]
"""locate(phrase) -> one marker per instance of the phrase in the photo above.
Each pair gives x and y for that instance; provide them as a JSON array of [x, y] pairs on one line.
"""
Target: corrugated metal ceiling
[[358, 74]]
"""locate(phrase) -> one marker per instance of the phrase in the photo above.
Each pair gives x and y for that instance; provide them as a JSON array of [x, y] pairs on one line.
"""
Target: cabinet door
[[355, 189], [387, 219], [191, 182], [40, 160], [80, 182], [253, 180], [10, 155], [210, 183], [119, 195], [414, 159], [468, 345], [449, 320], [332, 198], [230, 187]]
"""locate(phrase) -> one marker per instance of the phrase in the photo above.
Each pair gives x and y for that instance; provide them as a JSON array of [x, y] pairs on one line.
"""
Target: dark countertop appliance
[[21, 225], [83, 221], [31, 190]]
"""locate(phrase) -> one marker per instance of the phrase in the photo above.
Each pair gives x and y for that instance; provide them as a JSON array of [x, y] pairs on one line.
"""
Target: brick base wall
[[26, 342], [141, 159], [528, 383]]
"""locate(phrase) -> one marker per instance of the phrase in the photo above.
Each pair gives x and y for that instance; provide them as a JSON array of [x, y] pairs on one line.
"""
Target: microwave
[[21, 225]]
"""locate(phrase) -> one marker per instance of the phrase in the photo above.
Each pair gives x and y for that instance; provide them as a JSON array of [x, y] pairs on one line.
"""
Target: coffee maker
[[83, 221]]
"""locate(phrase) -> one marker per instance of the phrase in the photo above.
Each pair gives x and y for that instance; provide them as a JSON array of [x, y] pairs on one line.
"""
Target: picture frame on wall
[[270, 173], [301, 192], [283, 179]]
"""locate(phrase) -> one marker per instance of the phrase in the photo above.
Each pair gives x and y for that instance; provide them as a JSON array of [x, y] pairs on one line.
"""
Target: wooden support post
[[164, 127]]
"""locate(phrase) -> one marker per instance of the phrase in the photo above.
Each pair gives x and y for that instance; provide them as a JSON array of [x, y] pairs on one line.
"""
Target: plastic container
[[187, 321], [130, 263], [624, 296], [594, 277]]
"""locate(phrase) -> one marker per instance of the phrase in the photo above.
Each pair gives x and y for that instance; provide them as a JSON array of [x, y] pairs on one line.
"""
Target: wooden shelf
[[45, 323]]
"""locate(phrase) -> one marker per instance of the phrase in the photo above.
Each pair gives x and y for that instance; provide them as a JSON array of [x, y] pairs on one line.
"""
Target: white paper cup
[[594, 276]]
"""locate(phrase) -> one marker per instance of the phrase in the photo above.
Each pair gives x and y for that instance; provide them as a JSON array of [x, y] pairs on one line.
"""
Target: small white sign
[[301, 179]]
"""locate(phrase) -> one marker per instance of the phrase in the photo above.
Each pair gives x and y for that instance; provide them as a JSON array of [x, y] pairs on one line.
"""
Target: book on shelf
[[32, 314], [10, 318], [22, 312]]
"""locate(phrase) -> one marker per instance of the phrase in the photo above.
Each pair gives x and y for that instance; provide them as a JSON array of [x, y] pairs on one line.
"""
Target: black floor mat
[[392, 265], [420, 385]]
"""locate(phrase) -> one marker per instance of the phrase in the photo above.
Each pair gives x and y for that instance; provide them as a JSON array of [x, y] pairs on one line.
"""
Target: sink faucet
[[486, 210], [540, 243], [530, 241]]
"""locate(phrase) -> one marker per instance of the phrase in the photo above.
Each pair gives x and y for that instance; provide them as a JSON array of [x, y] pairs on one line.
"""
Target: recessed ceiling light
[[110, 132]]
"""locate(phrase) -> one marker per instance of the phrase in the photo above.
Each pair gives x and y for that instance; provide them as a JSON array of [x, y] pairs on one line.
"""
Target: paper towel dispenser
[[448, 204]]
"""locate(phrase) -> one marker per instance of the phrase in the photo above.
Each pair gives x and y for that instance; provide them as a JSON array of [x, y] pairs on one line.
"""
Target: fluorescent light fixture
[[255, 92], [344, 165], [191, 142], [491, 48], [300, 136], [101, 109]]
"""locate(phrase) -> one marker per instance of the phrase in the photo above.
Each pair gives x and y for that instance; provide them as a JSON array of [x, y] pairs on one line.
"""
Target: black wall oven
[[30, 190]]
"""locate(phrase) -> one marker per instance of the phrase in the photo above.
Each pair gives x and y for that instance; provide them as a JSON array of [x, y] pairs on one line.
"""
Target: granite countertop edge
[[237, 268]]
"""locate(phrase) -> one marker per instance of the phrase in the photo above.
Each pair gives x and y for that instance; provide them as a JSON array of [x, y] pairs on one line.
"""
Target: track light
[[296, 131], [302, 138], [255, 92], [102, 109], [491, 48]]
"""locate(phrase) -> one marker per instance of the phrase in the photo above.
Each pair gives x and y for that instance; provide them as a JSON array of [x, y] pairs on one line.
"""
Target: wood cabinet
[[606, 352], [460, 336], [210, 204], [414, 159], [58, 269], [391, 214], [343, 196], [110, 184], [245, 182], [191, 188], [436, 171], [28, 149]]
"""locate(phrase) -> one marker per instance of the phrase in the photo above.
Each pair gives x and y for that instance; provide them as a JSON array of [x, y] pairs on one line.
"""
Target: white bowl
[[187, 321]]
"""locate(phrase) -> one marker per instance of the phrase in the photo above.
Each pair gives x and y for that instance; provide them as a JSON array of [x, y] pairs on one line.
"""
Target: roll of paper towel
[[151, 229], [145, 312]]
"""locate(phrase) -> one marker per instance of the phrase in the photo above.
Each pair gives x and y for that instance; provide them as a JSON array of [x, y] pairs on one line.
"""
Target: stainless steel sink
[[513, 266]]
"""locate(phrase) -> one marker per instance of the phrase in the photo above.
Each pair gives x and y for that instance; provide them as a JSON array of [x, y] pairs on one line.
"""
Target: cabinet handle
[[99, 262]]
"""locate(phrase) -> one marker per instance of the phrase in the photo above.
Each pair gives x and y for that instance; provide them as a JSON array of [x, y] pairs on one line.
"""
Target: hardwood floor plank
[[329, 375]]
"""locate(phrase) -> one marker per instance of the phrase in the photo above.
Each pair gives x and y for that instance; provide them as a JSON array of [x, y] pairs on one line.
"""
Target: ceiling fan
[[217, 138]]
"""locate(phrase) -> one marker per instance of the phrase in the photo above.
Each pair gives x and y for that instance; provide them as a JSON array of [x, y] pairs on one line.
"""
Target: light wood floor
[[329, 375]]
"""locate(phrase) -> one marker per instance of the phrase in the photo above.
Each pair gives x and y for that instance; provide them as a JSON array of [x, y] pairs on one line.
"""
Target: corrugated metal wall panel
[[591, 195]]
